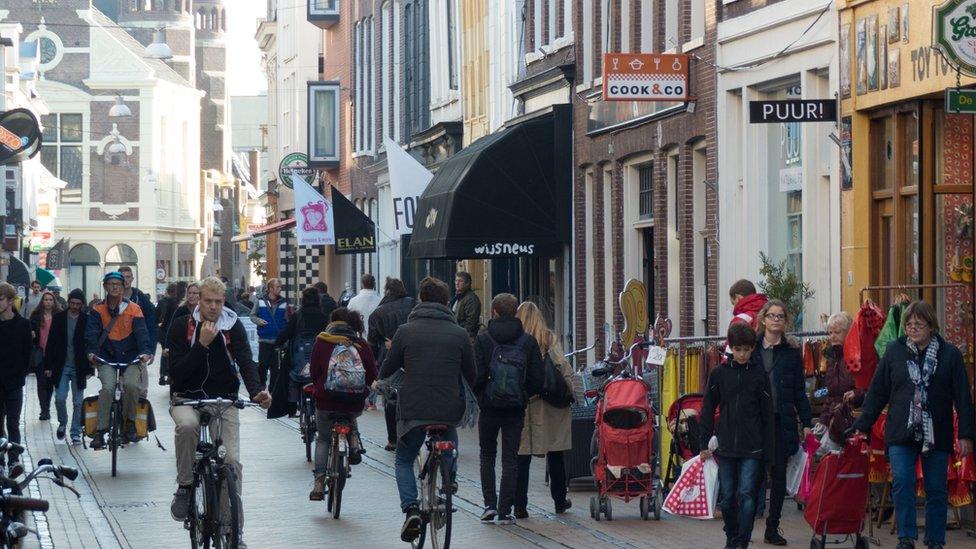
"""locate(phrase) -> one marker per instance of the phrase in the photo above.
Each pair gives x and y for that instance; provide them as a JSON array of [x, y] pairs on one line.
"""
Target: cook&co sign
[[954, 32]]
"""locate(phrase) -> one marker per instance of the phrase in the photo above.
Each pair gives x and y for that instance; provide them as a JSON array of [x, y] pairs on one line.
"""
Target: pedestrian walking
[[364, 303], [740, 389], [341, 344], [841, 392], [166, 313], [782, 362], [41, 318], [548, 430], [328, 304], [141, 299], [466, 305], [510, 370], [65, 359], [920, 379], [435, 355], [270, 314], [32, 300], [189, 304], [17, 342], [298, 335], [392, 312]]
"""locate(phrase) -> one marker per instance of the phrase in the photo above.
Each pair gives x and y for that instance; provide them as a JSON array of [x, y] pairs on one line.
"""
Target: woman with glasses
[[920, 379], [784, 366]]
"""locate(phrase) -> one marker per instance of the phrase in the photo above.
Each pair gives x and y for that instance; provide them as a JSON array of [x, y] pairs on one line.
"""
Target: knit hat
[[77, 294]]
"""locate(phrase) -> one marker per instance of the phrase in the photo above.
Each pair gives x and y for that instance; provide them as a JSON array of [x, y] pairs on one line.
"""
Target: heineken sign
[[954, 32], [295, 164]]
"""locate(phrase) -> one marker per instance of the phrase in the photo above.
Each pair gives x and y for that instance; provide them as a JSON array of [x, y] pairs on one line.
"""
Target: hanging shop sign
[[295, 164], [645, 77], [960, 101], [355, 232], [20, 136], [792, 110], [954, 32]]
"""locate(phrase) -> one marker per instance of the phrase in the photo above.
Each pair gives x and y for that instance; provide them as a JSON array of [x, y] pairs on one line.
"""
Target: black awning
[[505, 195], [355, 233]]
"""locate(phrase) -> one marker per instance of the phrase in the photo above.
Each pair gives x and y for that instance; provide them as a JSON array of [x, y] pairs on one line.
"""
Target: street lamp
[[119, 109], [159, 49]]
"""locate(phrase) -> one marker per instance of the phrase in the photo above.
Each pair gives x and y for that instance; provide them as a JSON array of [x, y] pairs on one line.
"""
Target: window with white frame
[[647, 27], [365, 85], [396, 69], [645, 178], [386, 69], [587, 8], [451, 24], [62, 151], [416, 65], [697, 20], [323, 124], [672, 14]]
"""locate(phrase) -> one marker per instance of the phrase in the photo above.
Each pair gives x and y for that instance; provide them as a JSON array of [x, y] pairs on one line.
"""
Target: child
[[740, 390], [746, 303]]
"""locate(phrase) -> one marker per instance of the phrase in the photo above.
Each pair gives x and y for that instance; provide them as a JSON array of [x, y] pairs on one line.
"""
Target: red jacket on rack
[[859, 352]]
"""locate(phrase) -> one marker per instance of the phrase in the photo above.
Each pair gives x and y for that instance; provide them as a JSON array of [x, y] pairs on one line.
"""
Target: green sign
[[954, 32], [960, 101], [295, 164]]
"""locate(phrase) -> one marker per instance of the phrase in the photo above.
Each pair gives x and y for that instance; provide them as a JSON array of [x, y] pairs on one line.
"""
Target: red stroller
[[684, 423], [840, 494], [624, 466]]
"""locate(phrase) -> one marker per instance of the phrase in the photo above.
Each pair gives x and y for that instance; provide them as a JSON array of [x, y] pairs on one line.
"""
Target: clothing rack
[[895, 287]]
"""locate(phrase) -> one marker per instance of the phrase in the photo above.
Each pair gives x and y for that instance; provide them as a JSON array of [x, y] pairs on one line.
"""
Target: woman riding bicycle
[[339, 346]]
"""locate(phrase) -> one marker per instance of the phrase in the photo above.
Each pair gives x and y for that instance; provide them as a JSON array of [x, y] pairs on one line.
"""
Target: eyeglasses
[[916, 326], [776, 316], [113, 285]]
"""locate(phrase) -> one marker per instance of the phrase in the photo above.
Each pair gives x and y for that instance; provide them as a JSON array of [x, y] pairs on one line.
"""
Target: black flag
[[57, 256], [355, 233]]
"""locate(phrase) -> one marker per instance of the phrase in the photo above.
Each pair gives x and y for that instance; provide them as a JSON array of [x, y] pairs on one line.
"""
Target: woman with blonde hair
[[547, 430]]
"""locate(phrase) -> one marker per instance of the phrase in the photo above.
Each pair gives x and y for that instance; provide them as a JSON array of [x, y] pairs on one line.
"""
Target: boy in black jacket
[[741, 391]]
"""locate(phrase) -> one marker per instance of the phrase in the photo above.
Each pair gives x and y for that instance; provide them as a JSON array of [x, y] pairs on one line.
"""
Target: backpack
[[346, 380], [300, 351], [555, 391], [506, 375]]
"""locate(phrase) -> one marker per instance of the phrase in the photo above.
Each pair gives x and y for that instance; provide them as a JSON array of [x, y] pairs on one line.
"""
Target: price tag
[[656, 355]]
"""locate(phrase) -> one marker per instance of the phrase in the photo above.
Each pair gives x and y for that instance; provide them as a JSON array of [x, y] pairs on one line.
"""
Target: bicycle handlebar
[[11, 448], [201, 402], [104, 362], [21, 503], [630, 352]]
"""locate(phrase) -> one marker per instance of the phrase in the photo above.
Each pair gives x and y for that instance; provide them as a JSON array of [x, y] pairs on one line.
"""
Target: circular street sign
[[953, 31], [160, 274], [295, 164]]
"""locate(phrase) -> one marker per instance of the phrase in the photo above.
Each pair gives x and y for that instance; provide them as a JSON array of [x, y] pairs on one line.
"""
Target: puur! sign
[[792, 110]]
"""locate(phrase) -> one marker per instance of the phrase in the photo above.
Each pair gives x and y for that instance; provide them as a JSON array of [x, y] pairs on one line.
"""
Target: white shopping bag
[[794, 471], [696, 491]]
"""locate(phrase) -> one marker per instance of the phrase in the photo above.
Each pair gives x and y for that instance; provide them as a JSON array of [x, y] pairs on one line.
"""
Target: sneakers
[[318, 490], [98, 441], [773, 537], [506, 520], [905, 543], [75, 440], [411, 525], [180, 508], [60, 432], [560, 509], [521, 513], [489, 514]]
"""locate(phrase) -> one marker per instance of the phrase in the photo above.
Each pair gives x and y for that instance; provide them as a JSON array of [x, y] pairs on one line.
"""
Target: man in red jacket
[[746, 303]]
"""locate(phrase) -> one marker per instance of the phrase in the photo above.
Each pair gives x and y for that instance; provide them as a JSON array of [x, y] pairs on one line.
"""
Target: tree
[[255, 258], [780, 282]]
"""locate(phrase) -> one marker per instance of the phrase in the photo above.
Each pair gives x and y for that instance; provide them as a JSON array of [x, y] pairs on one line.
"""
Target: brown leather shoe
[[318, 491]]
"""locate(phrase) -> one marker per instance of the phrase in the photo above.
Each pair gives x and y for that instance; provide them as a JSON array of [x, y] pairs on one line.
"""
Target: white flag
[[313, 215], [408, 180]]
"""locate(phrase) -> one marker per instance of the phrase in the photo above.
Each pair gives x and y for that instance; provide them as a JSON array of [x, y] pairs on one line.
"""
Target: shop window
[[645, 175], [785, 199]]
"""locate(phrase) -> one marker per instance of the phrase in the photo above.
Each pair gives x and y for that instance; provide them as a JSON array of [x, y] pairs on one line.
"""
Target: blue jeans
[[738, 480], [407, 450], [934, 470], [69, 380]]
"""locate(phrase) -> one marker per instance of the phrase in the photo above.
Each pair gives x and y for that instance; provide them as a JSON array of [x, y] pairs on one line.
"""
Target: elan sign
[[792, 110], [954, 32], [645, 77]]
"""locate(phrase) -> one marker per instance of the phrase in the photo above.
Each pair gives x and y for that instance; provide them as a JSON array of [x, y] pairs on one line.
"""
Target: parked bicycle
[[215, 517], [116, 419], [13, 504], [435, 481]]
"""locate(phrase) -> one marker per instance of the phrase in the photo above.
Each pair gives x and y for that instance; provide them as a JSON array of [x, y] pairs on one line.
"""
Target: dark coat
[[892, 387], [328, 305], [789, 391], [17, 343], [434, 353], [502, 331], [468, 311], [746, 424], [322, 353], [838, 381], [384, 321], [57, 348]]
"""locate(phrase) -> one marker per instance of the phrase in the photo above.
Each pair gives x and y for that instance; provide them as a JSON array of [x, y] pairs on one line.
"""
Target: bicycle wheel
[[228, 534], [195, 522], [308, 426], [339, 484], [424, 506], [114, 419], [439, 484]]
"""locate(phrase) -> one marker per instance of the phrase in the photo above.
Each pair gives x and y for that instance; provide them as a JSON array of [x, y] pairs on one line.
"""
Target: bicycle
[[13, 504], [213, 480], [116, 419], [306, 420], [339, 468], [435, 483]]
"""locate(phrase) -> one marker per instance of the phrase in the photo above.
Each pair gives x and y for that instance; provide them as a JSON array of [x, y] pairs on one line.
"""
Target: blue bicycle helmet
[[114, 275]]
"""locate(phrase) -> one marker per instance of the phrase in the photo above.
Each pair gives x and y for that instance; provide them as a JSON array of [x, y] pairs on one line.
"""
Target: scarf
[[919, 418]]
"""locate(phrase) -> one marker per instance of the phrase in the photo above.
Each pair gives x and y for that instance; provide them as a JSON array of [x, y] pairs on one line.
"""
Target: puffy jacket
[[274, 314], [502, 331], [128, 338], [747, 310], [383, 323], [57, 348], [788, 386], [467, 308], [746, 423], [338, 333], [892, 387], [434, 354]]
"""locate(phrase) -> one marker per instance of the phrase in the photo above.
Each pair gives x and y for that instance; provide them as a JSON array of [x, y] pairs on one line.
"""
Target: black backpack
[[300, 351], [506, 375], [555, 390]]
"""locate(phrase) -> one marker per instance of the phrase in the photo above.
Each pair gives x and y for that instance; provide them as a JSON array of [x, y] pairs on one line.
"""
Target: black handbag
[[555, 390]]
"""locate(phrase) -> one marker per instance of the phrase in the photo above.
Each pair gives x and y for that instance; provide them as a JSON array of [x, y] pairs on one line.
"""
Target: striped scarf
[[919, 418]]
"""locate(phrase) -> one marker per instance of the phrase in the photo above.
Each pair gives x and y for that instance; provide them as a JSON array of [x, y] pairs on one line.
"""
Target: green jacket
[[467, 309], [894, 327]]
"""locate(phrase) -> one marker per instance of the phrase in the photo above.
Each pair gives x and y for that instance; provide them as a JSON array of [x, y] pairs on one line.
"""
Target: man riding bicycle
[[206, 350], [116, 332], [434, 353]]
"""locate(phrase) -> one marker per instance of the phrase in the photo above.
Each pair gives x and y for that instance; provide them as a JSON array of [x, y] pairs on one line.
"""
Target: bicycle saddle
[[436, 428]]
